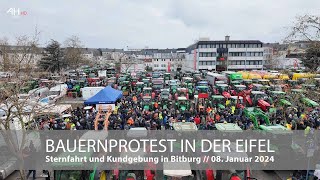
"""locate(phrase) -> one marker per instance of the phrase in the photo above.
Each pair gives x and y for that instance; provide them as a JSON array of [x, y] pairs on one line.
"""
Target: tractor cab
[[257, 87], [309, 86], [222, 89], [280, 95], [123, 78], [237, 89], [82, 83], [146, 103], [186, 80], [165, 94], [293, 84], [202, 83], [235, 83], [238, 101], [220, 82], [276, 81], [167, 77], [156, 75], [276, 87], [134, 82], [202, 91], [146, 81], [235, 77], [173, 88], [197, 76], [259, 99], [264, 82], [125, 87], [190, 88], [157, 85], [182, 103], [247, 82], [218, 101], [182, 92], [147, 91], [139, 86]]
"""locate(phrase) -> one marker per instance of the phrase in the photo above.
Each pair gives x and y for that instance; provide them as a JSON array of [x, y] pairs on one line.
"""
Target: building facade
[[224, 55]]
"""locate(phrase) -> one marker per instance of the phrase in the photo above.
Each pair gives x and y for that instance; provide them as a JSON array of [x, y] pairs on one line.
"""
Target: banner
[[140, 149], [104, 107]]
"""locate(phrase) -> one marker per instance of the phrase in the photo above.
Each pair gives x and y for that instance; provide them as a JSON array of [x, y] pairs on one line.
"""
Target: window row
[[230, 46], [207, 54], [238, 54], [162, 65], [243, 54], [207, 63], [245, 62], [251, 54], [169, 59]]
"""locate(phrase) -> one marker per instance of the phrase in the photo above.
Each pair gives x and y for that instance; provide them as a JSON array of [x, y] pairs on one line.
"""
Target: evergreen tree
[[53, 57]]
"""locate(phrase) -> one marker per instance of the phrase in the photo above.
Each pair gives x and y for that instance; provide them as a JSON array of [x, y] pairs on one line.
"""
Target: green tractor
[[146, 91], [173, 89], [190, 88], [308, 102], [166, 78], [280, 95], [235, 78], [165, 98], [139, 87], [147, 103], [218, 101], [276, 131], [125, 88], [146, 82], [186, 80], [182, 103], [254, 113]]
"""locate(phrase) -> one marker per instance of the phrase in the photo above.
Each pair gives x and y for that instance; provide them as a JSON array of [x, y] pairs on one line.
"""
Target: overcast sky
[[152, 23]]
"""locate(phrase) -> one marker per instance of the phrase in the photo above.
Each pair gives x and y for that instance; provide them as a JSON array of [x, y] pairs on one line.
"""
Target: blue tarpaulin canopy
[[107, 95]]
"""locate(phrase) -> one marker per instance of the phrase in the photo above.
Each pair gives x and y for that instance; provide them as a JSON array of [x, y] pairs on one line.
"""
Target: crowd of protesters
[[129, 113]]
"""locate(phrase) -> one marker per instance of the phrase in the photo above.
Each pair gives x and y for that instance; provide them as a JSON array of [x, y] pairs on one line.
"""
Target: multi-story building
[[224, 55], [168, 59], [22, 56], [284, 56]]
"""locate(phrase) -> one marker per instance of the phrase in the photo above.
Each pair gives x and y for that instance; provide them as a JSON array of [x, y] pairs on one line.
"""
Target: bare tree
[[307, 28], [73, 52], [18, 112], [128, 62]]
